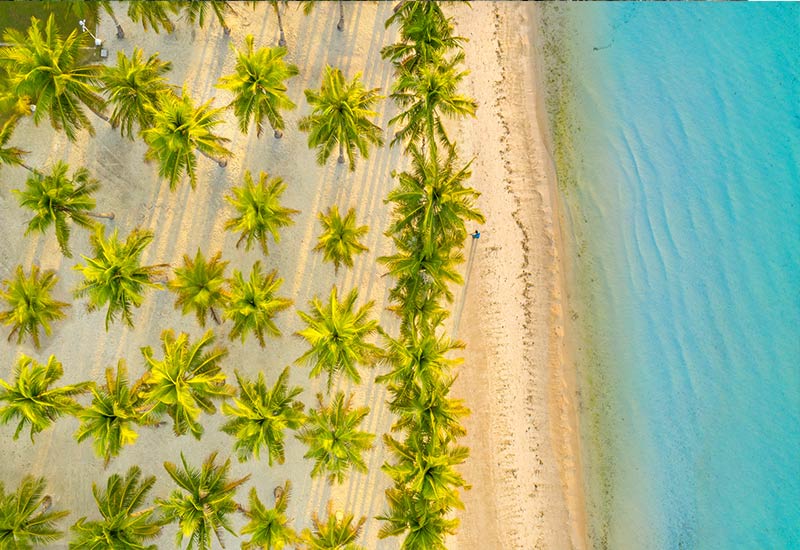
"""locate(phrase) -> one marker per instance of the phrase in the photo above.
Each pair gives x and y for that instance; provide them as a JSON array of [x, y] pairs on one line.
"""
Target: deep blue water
[[686, 213]]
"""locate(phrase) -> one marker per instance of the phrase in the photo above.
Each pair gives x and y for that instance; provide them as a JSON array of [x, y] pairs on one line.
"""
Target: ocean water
[[685, 215]]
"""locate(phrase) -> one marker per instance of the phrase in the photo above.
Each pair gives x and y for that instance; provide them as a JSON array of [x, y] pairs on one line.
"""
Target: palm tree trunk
[[103, 215], [222, 162], [282, 39], [30, 169], [341, 153], [120, 30], [99, 114], [340, 24], [215, 316]]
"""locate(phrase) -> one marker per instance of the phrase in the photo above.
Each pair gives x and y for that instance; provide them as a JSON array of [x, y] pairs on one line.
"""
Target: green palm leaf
[[259, 416], [32, 401], [153, 13], [341, 117], [269, 527], [11, 156], [30, 304], [26, 520], [339, 239], [253, 304], [334, 440], [337, 532], [200, 286], [425, 528]]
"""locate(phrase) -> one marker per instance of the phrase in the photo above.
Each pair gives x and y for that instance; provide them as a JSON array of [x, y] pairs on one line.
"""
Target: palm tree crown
[[337, 532], [153, 14], [124, 524], [56, 198], [178, 128], [113, 414], [115, 276], [133, 87], [30, 303], [47, 71], [409, 512], [26, 520], [259, 210], [200, 286], [202, 506], [333, 438], [269, 527], [31, 399], [339, 239], [341, 116], [186, 381], [254, 303], [259, 416], [259, 87]]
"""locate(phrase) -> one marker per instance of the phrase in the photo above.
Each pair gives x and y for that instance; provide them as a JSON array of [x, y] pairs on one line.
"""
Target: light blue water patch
[[688, 195]]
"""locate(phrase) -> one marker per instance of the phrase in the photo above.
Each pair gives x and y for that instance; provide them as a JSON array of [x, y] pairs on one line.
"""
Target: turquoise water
[[686, 215]]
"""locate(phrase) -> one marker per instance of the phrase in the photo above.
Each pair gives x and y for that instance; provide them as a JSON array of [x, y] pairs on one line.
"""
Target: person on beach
[[476, 235]]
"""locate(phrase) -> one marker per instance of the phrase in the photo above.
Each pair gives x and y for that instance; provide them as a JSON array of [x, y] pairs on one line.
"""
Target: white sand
[[521, 432]]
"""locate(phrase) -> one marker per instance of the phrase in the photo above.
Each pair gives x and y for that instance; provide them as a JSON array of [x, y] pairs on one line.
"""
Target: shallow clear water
[[686, 213]]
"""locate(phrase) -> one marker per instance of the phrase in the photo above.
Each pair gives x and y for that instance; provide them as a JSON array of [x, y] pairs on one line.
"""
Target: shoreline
[[526, 475]]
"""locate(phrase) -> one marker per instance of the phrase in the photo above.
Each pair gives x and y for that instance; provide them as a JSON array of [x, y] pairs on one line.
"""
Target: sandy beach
[[524, 466]]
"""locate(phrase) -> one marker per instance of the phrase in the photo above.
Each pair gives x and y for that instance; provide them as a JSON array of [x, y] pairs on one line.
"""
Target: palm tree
[[133, 87], [269, 527], [341, 116], [26, 520], [56, 198], [337, 335], [339, 239], [428, 411], [153, 14], [115, 275], [259, 416], [32, 401], [427, 96], [433, 201], [426, 466], [178, 129], [186, 381], [48, 72], [205, 502], [115, 411], [30, 303], [259, 87], [196, 12], [427, 529], [200, 286], [125, 526], [253, 304], [333, 438], [337, 532], [259, 210], [11, 156], [276, 6], [425, 35]]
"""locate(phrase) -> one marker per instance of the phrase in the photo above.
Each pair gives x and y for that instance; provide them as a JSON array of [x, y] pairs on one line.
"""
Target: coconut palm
[[259, 87], [200, 286], [426, 466], [178, 130], [112, 417], [115, 275], [259, 416], [47, 71], [341, 117], [9, 155], [269, 527], [337, 334], [196, 11], [253, 304], [339, 239], [26, 520], [30, 304], [133, 87], [56, 198], [125, 524], [425, 35], [153, 13], [186, 381], [337, 532], [427, 96], [409, 513], [31, 400], [203, 505], [333, 438], [259, 210], [429, 411], [433, 201]]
